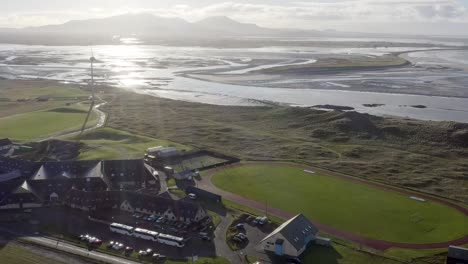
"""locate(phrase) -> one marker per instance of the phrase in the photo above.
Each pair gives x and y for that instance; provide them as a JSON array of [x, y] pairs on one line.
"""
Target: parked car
[[206, 238], [84, 237], [95, 241], [158, 256], [236, 239], [242, 236], [111, 243], [262, 220], [240, 226], [118, 246], [142, 253], [192, 196], [149, 251], [160, 220]]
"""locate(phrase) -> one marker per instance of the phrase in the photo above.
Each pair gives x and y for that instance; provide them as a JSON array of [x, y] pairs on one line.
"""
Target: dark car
[[240, 226], [206, 238]]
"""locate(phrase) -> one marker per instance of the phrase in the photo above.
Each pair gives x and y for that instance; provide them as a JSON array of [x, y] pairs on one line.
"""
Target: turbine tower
[[92, 60]]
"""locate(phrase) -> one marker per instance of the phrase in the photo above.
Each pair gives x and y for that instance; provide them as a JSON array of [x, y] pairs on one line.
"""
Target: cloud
[[323, 14]]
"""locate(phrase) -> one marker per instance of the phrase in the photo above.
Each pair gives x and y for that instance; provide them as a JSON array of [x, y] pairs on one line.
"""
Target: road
[[69, 248]]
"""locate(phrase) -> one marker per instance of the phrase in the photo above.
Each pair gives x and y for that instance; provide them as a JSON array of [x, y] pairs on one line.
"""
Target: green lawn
[[15, 254], [13, 90], [339, 254], [108, 143], [40, 124], [346, 205]]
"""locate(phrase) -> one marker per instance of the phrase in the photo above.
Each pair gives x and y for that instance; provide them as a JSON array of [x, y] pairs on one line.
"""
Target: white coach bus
[[146, 234], [121, 229], [171, 240]]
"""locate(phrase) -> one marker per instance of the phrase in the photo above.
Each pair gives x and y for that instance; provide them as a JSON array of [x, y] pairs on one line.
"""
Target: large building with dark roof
[[291, 238], [89, 185]]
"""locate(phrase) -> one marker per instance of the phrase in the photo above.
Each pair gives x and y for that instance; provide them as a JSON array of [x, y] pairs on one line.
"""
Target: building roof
[[5, 142], [124, 170], [161, 204], [458, 253], [69, 170], [163, 151], [295, 230], [27, 168]]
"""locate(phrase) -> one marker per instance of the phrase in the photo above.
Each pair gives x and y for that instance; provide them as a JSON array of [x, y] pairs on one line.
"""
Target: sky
[[429, 17]]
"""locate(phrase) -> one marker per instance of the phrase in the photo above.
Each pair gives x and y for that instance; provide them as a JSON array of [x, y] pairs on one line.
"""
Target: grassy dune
[[40, 124], [11, 91]]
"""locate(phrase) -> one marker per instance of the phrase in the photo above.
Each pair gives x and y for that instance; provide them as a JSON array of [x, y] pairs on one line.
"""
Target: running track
[[206, 184]]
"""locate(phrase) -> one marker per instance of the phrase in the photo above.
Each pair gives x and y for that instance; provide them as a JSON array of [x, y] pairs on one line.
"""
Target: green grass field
[[60, 95], [108, 143], [15, 254], [350, 206], [339, 254], [40, 124]]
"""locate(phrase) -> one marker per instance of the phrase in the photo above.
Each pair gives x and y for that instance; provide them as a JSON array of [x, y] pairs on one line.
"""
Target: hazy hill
[[150, 25]]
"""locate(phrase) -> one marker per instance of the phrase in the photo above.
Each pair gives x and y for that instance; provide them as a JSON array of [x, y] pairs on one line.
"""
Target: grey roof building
[[457, 255], [291, 238]]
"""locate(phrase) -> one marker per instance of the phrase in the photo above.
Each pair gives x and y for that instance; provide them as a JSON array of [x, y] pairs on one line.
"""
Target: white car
[[118, 246]]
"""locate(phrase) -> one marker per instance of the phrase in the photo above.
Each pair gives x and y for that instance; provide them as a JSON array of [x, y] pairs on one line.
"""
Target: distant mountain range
[[150, 25]]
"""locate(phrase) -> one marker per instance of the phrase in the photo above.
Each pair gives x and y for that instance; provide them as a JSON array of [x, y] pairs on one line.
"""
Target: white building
[[291, 238], [163, 152]]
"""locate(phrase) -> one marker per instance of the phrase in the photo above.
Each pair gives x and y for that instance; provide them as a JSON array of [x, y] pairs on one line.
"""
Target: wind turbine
[[92, 60]]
